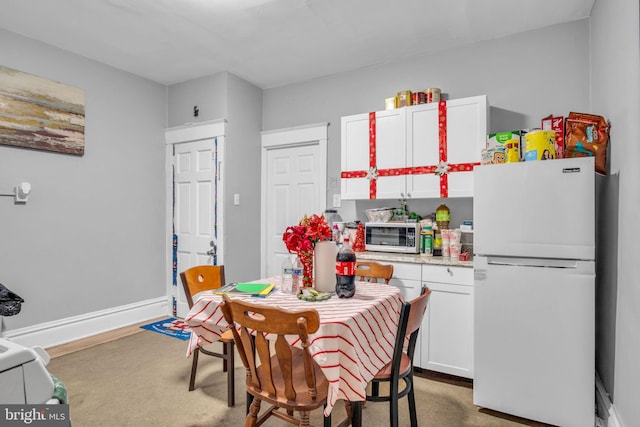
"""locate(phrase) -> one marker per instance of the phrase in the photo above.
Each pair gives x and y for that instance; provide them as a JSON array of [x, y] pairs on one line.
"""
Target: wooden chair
[[374, 271], [401, 365], [205, 278], [285, 377]]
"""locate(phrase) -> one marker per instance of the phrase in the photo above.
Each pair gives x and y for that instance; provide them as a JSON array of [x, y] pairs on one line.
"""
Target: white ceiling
[[271, 42]]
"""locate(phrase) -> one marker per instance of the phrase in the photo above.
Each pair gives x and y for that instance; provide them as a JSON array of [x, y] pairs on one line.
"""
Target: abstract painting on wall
[[40, 114]]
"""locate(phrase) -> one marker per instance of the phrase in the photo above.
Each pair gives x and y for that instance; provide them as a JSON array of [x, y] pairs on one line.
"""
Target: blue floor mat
[[172, 327]]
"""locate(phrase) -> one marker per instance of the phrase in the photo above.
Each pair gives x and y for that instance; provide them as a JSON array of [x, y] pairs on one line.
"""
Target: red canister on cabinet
[[419, 98]]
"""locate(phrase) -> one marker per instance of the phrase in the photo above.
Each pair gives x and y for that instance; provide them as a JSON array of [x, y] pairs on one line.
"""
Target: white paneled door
[[294, 184], [195, 208]]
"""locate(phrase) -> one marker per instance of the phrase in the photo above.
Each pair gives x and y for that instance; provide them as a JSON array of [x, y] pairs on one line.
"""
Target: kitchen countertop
[[411, 258]]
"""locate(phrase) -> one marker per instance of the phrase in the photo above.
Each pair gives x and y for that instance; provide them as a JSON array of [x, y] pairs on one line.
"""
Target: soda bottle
[[287, 274], [297, 275], [346, 271]]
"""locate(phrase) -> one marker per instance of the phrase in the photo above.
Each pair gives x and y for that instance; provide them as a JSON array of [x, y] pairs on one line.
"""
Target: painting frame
[[41, 114]]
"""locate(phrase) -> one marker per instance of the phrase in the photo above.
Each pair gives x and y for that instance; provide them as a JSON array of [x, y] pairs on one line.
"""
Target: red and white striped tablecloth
[[354, 341]]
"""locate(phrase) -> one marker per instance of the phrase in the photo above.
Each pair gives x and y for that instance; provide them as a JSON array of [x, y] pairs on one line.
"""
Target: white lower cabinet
[[406, 276], [446, 336], [447, 331]]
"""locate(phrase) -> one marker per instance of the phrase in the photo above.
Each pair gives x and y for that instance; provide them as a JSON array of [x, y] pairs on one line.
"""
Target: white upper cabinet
[[381, 135], [408, 150], [466, 131]]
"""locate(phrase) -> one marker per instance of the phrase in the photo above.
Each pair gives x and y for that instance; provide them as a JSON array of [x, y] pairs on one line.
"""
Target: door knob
[[212, 251]]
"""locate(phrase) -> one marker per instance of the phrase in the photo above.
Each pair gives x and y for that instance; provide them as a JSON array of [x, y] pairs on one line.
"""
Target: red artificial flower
[[294, 238], [318, 229], [303, 237]]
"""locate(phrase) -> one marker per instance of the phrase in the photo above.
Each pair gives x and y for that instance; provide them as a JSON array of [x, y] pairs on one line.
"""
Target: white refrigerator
[[534, 303]]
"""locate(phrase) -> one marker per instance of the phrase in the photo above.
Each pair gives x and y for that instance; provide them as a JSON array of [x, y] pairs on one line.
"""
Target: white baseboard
[[606, 411], [72, 328]]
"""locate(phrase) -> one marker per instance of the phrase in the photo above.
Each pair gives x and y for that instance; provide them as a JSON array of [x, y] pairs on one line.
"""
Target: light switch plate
[[337, 201], [236, 199]]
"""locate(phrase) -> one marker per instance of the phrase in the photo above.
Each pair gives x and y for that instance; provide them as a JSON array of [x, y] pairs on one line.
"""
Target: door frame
[[181, 134], [286, 138]]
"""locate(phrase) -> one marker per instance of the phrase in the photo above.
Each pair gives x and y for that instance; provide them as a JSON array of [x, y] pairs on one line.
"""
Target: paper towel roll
[[324, 266]]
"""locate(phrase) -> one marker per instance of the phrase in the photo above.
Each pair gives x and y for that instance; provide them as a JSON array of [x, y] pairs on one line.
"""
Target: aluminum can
[[404, 98]]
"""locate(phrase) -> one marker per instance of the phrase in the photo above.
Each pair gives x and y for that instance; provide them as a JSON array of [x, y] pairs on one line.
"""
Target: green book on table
[[253, 289]]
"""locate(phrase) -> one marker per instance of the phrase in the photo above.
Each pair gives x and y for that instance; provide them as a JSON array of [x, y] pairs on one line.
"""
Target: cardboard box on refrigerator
[[556, 124], [509, 142]]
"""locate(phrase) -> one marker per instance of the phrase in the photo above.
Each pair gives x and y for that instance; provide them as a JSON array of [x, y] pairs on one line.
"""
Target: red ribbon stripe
[[415, 170]]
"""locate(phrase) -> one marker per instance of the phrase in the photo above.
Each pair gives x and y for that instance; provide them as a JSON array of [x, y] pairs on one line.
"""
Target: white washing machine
[[24, 379]]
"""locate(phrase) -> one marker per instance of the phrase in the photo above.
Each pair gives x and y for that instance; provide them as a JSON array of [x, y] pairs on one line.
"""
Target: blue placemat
[[172, 327]]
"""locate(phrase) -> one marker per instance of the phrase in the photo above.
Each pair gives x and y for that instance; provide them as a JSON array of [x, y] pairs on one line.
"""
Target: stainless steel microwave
[[400, 237]]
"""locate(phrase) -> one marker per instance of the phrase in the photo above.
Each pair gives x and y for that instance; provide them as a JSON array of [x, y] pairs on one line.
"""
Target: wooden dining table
[[354, 341]]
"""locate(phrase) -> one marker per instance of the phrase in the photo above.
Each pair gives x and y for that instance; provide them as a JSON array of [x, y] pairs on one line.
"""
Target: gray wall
[[208, 93], [226, 96], [91, 236], [526, 77], [615, 93], [242, 176]]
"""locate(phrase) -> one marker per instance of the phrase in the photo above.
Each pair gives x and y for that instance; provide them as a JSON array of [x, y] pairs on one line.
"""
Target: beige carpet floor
[[142, 380]]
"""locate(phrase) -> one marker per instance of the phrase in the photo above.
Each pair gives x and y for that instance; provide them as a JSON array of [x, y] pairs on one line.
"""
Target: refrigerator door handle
[[533, 262]]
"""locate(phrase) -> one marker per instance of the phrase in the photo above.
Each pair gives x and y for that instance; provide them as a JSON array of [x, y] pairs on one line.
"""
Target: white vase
[[324, 266]]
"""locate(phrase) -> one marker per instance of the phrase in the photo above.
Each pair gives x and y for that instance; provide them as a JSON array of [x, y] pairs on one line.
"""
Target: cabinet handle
[[449, 271]]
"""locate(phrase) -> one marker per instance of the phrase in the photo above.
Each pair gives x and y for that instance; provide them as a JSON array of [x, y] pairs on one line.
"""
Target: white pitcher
[[324, 266]]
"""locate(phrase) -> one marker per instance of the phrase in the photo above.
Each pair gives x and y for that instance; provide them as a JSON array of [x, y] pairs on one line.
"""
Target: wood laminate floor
[[87, 342]]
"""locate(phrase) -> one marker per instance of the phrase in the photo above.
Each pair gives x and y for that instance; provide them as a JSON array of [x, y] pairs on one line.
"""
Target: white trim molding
[[606, 416], [189, 133], [196, 131], [62, 331], [295, 135]]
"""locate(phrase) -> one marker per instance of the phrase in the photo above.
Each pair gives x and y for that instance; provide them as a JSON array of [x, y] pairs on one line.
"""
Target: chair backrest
[[372, 271], [201, 278], [256, 351], [411, 315]]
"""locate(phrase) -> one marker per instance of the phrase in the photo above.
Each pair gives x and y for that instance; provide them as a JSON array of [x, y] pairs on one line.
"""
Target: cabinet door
[[466, 137], [422, 149], [354, 156], [447, 331], [406, 276], [390, 151]]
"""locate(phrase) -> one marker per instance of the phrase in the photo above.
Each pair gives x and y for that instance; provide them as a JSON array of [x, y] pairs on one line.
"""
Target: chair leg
[[304, 419], [356, 417], [249, 401], [327, 419], [194, 367], [347, 406], [225, 352], [252, 417], [375, 388], [393, 403], [412, 402], [231, 380]]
